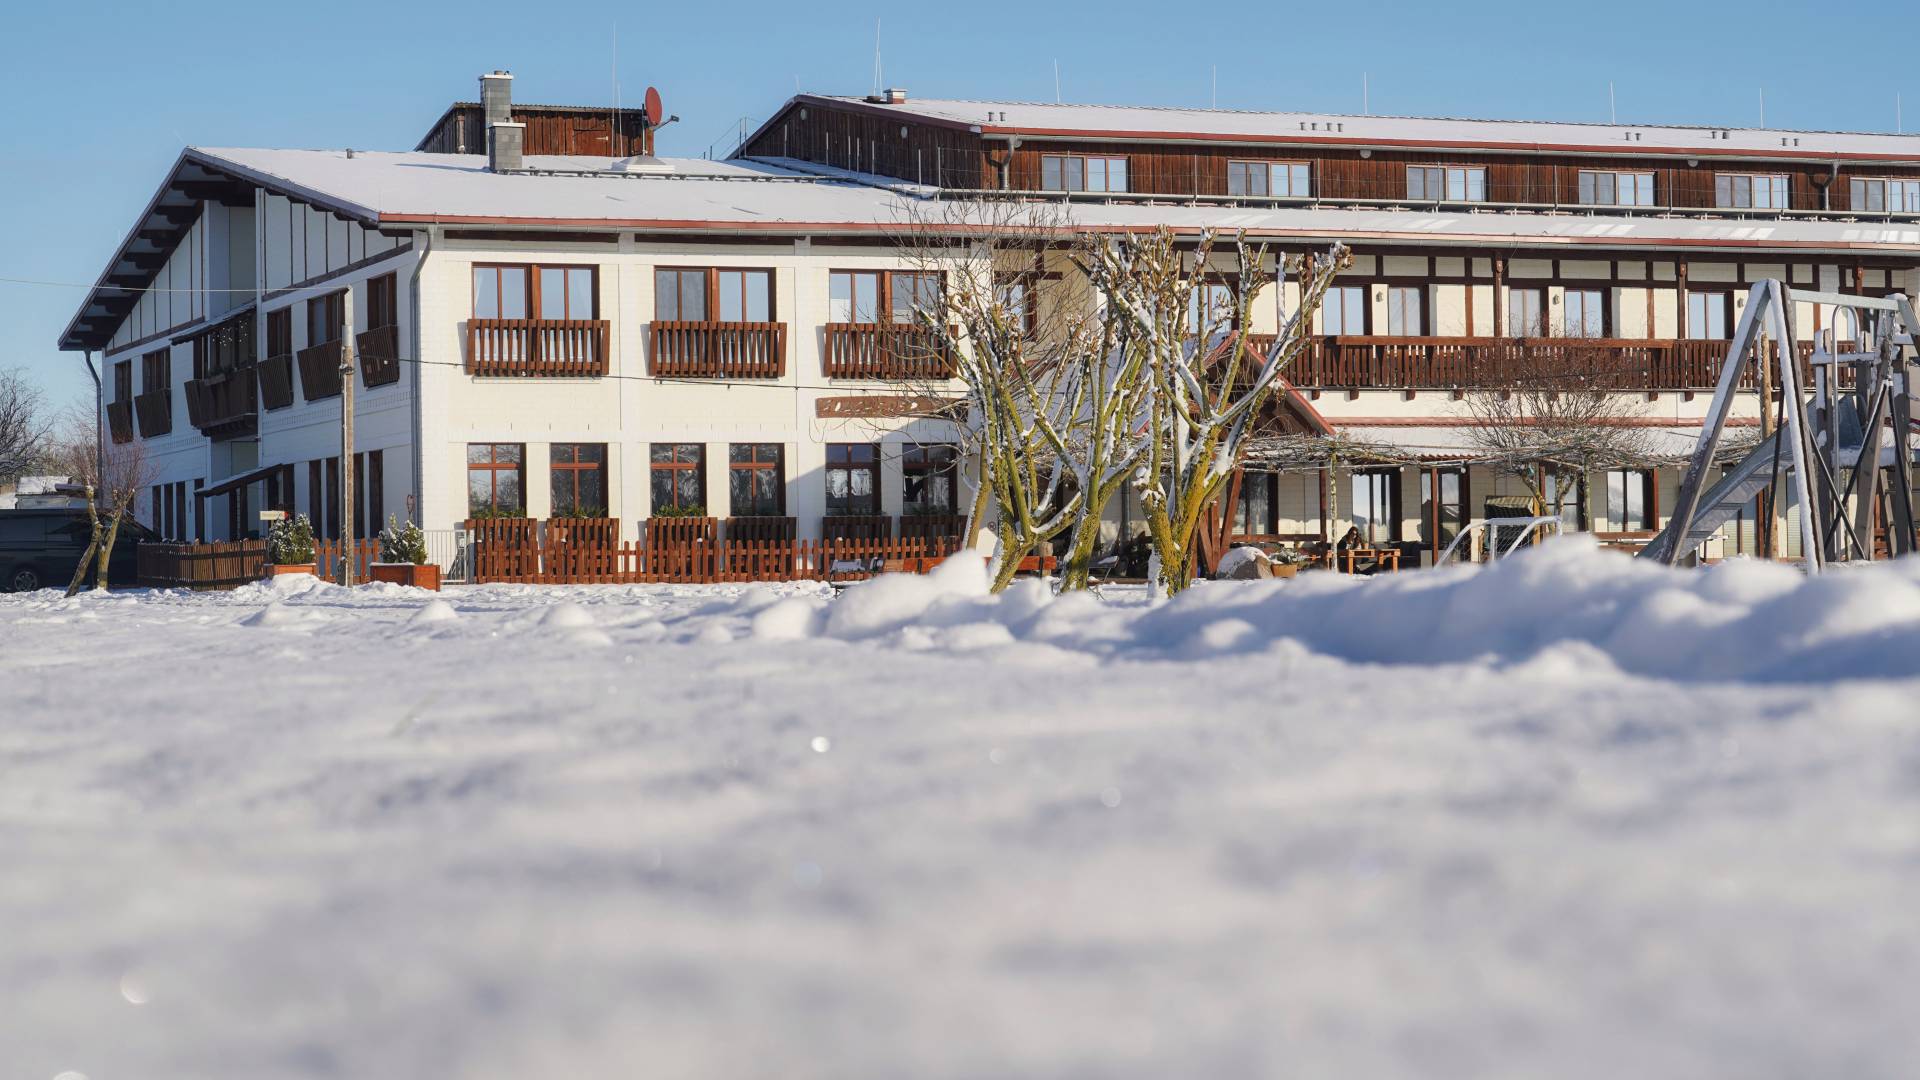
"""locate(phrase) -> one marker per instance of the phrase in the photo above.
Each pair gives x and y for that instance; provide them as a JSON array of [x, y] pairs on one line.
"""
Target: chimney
[[896, 95], [504, 142], [496, 107]]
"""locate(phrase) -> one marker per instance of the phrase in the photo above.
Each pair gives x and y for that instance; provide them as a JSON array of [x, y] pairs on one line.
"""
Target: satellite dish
[[653, 107]]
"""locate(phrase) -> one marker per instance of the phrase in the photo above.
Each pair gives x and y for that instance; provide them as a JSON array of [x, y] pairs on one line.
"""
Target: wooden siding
[[925, 153], [550, 130]]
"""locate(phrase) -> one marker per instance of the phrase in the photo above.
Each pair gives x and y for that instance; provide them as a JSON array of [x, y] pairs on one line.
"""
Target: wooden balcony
[[1462, 363], [276, 381], [377, 355], [120, 420], [224, 405], [154, 411], [320, 370], [543, 348], [884, 351], [718, 350]]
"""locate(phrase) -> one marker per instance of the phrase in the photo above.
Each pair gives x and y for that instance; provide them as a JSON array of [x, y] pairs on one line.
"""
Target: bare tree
[[110, 479], [1543, 409], [24, 425]]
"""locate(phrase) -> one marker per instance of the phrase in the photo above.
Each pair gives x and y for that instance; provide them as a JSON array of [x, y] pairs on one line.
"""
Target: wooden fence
[[200, 566], [537, 347], [719, 350], [680, 551], [326, 557]]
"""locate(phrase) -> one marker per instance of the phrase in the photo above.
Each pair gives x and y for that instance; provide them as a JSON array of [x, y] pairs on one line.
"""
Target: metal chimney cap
[[498, 74]]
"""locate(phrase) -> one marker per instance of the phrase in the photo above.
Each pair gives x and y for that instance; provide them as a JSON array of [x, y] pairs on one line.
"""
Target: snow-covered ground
[[1569, 817]]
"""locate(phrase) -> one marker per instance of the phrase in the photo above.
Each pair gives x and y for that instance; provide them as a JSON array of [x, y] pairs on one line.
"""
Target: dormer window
[[1892, 196]]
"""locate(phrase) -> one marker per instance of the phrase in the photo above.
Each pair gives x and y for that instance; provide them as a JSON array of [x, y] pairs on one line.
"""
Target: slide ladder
[[1734, 492]]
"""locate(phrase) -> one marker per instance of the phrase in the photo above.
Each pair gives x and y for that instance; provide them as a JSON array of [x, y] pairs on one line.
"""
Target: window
[[280, 332], [1451, 183], [1404, 311], [1443, 506], [577, 473], [1527, 312], [1709, 315], [156, 371], [1616, 188], [713, 294], [1210, 307], [381, 309], [324, 314], [853, 296], [1759, 192], [495, 480], [853, 478], [549, 292], [1344, 311], [859, 296], [1253, 515], [1014, 294], [1566, 498], [1061, 172], [1376, 505], [927, 473], [756, 480], [123, 381], [1268, 178], [1586, 314], [679, 479], [914, 293], [1630, 500], [1892, 196]]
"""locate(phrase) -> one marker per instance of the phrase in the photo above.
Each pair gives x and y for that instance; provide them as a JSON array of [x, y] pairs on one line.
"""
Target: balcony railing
[[154, 410], [320, 370], [377, 354], [120, 420], [224, 403], [1451, 363], [884, 351], [719, 350], [537, 347], [276, 381]]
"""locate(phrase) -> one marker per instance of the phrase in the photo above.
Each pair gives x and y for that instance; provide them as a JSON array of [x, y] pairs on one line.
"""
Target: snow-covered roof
[[1457, 442], [1039, 119]]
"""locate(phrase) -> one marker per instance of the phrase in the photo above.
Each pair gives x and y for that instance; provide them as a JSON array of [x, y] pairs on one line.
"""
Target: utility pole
[[347, 547]]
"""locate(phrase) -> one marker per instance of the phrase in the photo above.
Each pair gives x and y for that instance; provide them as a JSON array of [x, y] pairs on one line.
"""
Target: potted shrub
[[403, 557], [290, 546]]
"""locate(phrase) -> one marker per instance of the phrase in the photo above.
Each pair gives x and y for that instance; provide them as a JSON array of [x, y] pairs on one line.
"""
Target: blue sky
[[101, 100]]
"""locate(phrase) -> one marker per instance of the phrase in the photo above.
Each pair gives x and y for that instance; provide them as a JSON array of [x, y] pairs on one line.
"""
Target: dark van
[[40, 548]]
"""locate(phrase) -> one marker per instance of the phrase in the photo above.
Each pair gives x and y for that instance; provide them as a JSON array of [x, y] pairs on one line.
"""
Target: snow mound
[[279, 586], [275, 615], [434, 611], [567, 616], [1737, 621]]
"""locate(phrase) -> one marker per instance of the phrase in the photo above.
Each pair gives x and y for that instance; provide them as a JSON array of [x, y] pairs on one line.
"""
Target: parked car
[[40, 547]]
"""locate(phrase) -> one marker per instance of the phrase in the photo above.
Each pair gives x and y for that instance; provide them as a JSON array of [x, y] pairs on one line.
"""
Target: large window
[[324, 315], [1210, 307], [1443, 506], [123, 380], [1527, 312], [853, 478], [578, 475], [1068, 172], [1344, 311], [1447, 183], [1709, 315], [280, 332], [1254, 514], [496, 474], [1269, 178], [1404, 311], [1015, 295], [551, 292], [713, 295], [1376, 505], [1629, 500], [912, 294], [1586, 313], [859, 296], [927, 475], [756, 480], [1767, 192], [1616, 188], [382, 309], [156, 371], [1895, 196], [1566, 498], [679, 479]]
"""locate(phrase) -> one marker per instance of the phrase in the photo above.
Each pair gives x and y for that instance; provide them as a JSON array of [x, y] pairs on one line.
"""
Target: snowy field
[[1570, 817]]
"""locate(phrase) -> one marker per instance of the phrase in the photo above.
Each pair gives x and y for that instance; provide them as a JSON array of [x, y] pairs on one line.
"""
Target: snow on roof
[[1159, 122], [1456, 442]]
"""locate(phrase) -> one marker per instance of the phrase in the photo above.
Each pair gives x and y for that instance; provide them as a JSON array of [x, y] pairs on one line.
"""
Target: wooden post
[[346, 439]]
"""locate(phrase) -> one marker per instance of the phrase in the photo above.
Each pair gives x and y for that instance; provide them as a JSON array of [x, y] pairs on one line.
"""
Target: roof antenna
[[1763, 106], [1613, 115], [1056, 80], [1366, 103], [613, 121], [1216, 86], [879, 73], [1899, 123]]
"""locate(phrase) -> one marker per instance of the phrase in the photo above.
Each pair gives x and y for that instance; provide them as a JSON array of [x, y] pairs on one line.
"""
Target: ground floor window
[[853, 478], [577, 473], [1443, 506], [496, 480], [679, 479], [927, 478], [1566, 499], [1376, 505], [756, 480], [1253, 515], [1629, 500]]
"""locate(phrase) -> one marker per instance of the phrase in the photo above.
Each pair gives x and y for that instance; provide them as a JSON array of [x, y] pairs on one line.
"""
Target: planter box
[[1285, 569], [424, 576], [275, 569]]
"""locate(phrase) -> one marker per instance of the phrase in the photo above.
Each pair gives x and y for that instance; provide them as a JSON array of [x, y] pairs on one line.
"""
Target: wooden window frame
[[1649, 507], [1446, 170], [1541, 325], [383, 301], [533, 296], [493, 467], [1366, 312], [675, 464], [123, 380], [917, 463], [1395, 497], [1725, 194], [1269, 166], [712, 292], [156, 370], [1726, 313], [883, 302], [1026, 280], [1432, 502], [1583, 188], [1606, 312], [1126, 169], [570, 470], [872, 468], [280, 331], [755, 463], [331, 309], [1269, 480], [1419, 293]]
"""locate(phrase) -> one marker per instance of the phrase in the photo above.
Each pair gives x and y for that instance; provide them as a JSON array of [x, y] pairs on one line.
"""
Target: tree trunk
[[106, 551], [93, 544], [1078, 570]]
